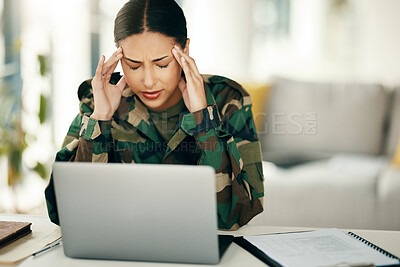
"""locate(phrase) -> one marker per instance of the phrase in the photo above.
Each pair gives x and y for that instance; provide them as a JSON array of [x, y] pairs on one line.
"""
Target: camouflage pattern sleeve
[[94, 140], [92, 144], [86, 140], [239, 178]]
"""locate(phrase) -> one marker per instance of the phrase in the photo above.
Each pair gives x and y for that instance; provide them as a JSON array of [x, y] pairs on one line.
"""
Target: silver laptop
[[141, 212]]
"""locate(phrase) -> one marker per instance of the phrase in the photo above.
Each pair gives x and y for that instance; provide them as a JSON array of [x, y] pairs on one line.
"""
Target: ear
[[186, 50]]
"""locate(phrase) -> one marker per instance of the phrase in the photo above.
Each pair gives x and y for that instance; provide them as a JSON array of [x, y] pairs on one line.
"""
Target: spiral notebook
[[325, 247]]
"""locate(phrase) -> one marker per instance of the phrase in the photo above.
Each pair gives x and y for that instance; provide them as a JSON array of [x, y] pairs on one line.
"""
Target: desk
[[234, 256]]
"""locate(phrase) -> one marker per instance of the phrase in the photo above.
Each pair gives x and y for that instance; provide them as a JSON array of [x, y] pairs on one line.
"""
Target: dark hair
[[160, 16]]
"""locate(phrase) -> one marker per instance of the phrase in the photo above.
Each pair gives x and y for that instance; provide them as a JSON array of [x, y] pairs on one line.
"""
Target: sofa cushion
[[394, 123], [258, 94], [396, 156], [338, 192], [310, 119]]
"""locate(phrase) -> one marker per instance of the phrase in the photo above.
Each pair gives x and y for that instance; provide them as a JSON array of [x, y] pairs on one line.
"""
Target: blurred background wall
[[48, 47]]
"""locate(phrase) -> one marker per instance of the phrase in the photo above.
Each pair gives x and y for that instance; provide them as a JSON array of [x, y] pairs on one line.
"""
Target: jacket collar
[[132, 111]]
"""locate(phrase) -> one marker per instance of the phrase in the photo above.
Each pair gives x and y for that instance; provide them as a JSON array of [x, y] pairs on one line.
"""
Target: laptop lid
[[142, 212]]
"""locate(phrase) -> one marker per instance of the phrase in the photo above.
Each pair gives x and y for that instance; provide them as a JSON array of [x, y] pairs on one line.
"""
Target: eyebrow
[[154, 60]]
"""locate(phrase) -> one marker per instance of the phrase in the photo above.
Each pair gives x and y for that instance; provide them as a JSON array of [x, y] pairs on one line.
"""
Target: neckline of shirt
[[172, 111]]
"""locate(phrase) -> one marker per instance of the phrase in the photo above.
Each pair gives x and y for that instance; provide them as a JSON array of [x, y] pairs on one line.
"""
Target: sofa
[[328, 155]]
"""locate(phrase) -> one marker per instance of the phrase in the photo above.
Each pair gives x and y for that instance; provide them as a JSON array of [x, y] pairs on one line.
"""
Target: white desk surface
[[234, 256]]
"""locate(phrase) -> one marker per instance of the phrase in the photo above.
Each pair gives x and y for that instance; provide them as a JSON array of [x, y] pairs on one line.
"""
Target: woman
[[162, 111]]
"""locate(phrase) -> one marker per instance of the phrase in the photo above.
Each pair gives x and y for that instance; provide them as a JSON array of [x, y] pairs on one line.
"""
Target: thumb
[[182, 84], [121, 84]]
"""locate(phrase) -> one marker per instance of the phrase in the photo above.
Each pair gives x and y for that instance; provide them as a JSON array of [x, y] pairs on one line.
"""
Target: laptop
[[141, 212]]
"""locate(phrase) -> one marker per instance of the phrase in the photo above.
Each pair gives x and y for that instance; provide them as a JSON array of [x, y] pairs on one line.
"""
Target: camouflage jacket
[[223, 136]]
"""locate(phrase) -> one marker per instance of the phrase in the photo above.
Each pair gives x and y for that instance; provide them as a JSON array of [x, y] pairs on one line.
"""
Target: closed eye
[[163, 67]]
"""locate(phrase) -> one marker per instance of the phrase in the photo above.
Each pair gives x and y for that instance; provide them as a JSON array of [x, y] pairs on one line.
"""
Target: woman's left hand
[[193, 89]]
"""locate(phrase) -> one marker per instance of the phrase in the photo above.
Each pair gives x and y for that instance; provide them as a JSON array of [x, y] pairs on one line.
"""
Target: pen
[[345, 264], [47, 248]]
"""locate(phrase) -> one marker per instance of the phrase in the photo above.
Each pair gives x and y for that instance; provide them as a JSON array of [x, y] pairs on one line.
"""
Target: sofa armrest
[[389, 198]]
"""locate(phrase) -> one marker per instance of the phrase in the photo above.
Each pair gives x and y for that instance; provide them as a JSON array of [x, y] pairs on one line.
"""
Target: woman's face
[[151, 70]]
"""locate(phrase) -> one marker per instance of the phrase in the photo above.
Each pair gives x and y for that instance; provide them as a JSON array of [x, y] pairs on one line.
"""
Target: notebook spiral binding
[[384, 252]]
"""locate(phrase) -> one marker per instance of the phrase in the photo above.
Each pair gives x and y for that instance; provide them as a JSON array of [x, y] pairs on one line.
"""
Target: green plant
[[13, 138]]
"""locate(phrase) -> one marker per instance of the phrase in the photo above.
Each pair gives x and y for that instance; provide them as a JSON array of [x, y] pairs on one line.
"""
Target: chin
[[152, 103]]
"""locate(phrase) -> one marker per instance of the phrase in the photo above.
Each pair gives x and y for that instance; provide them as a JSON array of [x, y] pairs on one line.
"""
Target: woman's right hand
[[106, 95]]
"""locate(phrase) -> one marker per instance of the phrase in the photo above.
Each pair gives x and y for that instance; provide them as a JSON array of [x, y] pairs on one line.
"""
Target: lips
[[152, 95]]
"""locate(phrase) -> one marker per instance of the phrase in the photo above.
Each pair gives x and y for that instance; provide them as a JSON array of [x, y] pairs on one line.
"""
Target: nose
[[148, 78]]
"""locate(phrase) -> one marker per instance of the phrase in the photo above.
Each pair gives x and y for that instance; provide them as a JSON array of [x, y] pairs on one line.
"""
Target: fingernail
[[176, 47]]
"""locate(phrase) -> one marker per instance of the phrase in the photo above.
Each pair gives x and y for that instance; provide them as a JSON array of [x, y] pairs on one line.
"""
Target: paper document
[[317, 248], [40, 237]]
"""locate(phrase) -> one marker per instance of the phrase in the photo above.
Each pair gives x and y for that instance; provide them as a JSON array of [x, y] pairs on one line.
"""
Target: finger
[[177, 56], [100, 66], [182, 84], [116, 52], [107, 75], [117, 55], [110, 64], [186, 69], [110, 71], [114, 56], [98, 78], [190, 61], [184, 66], [112, 68]]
